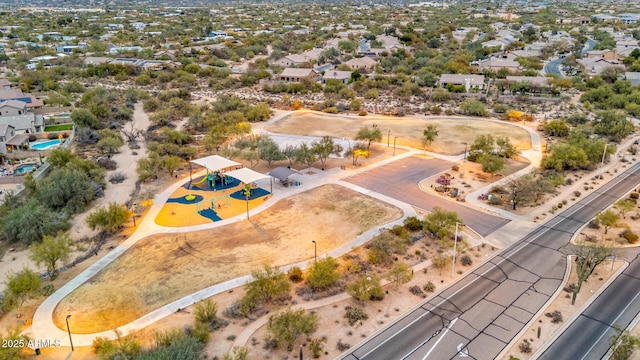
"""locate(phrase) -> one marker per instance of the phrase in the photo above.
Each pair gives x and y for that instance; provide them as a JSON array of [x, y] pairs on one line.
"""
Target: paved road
[[588, 336], [399, 180], [553, 67], [480, 314]]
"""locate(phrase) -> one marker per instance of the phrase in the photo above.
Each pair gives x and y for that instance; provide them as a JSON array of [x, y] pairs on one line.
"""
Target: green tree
[[306, 155], [324, 148], [84, 118], [369, 134], [20, 287], [109, 145], [607, 218], [289, 153], [110, 219], [356, 152], [505, 148], [588, 257], [66, 188], [267, 285], [624, 206], [473, 108], [612, 123], [623, 344], [492, 163], [60, 157], [269, 151], [440, 261], [441, 223], [287, 325], [147, 168], [400, 273], [171, 163], [483, 144], [30, 222], [51, 250], [429, 135], [557, 127], [260, 112], [366, 288], [323, 274]]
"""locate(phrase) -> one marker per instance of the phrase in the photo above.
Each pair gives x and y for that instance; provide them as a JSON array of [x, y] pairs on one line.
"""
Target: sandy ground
[[119, 193], [453, 132], [271, 237]]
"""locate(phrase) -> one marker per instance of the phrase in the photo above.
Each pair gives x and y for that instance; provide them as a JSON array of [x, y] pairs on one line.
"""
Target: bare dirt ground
[[453, 132], [562, 303], [270, 237]]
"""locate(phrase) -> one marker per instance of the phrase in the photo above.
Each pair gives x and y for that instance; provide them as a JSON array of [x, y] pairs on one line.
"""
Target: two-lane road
[[478, 316]]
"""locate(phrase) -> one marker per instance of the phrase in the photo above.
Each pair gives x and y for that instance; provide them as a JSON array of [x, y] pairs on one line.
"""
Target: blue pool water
[[24, 168], [45, 145]]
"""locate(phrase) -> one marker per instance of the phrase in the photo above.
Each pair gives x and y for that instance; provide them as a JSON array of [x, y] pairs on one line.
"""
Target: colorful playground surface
[[206, 199]]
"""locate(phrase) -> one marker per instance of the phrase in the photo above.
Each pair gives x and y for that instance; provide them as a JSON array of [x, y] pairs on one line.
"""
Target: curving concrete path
[[43, 327]]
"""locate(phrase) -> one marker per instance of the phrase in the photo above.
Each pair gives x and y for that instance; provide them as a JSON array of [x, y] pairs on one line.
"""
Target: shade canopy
[[247, 176], [282, 173], [215, 162]]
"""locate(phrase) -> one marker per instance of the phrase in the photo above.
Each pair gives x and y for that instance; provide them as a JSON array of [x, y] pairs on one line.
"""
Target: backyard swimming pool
[[21, 169], [45, 145]]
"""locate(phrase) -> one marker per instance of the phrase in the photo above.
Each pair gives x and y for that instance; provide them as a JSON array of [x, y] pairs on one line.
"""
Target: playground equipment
[[214, 202]]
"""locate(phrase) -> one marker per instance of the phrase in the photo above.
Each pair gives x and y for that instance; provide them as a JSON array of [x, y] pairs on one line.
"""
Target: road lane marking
[[545, 229], [614, 321], [441, 337]]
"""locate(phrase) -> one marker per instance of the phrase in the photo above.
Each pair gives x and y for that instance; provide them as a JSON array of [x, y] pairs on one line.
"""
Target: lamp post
[[388, 135], [133, 213], [602, 163], [315, 250], [464, 157], [394, 145], [69, 331], [455, 243]]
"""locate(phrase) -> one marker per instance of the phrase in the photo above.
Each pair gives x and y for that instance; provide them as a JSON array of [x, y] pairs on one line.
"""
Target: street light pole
[[394, 145], [133, 211], [602, 163], [464, 158], [388, 135], [455, 243], [69, 331], [315, 250]]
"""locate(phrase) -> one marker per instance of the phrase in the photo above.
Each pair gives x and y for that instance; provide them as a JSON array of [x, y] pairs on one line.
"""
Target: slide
[[204, 178]]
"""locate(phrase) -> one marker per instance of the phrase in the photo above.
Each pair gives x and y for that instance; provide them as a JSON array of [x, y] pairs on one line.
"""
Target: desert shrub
[[316, 346], [355, 314], [634, 195], [206, 311], [362, 113], [525, 347], [331, 110], [494, 200], [342, 346], [455, 168], [593, 224], [52, 136], [466, 260], [560, 205], [630, 236], [295, 274], [107, 163], [556, 316], [399, 231], [117, 177], [577, 193], [32, 138], [415, 290], [412, 223], [429, 287]]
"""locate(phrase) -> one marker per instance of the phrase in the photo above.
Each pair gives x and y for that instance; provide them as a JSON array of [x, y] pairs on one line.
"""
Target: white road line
[[441, 337], [544, 231], [614, 321]]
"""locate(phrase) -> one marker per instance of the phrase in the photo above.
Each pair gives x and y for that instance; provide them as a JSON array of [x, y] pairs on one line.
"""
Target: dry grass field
[[452, 132], [165, 267]]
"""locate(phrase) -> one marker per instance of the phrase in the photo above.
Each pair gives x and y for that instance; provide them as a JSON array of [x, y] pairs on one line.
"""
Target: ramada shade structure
[[247, 176], [215, 163]]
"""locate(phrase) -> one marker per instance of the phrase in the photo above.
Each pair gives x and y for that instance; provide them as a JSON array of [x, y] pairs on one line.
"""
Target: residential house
[[16, 94], [362, 63], [113, 50], [295, 60], [496, 64], [6, 133], [625, 47], [628, 19], [539, 81], [603, 54], [298, 74], [595, 66], [67, 49], [5, 84], [469, 81], [633, 78], [14, 113], [342, 76]]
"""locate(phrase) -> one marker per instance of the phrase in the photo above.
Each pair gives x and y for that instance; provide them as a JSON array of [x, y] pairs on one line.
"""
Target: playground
[[226, 190]]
